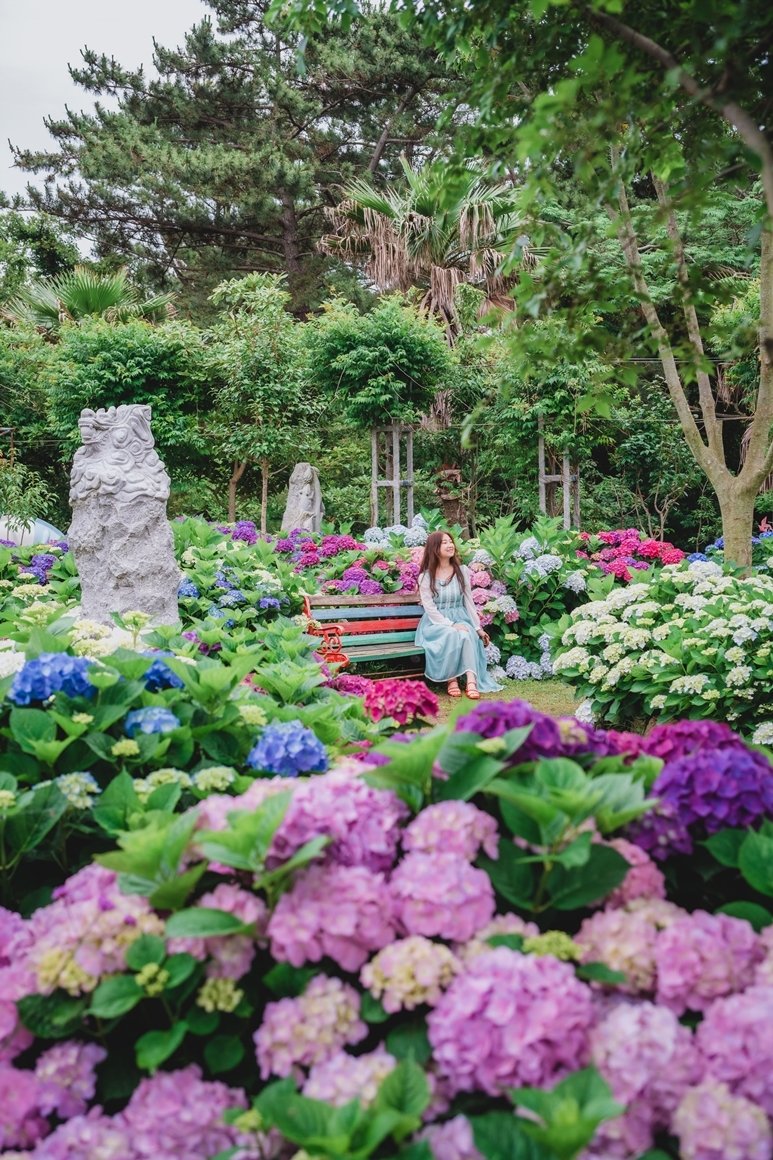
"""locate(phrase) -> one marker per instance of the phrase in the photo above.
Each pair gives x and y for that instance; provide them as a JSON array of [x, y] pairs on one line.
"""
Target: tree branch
[[742, 121], [382, 141]]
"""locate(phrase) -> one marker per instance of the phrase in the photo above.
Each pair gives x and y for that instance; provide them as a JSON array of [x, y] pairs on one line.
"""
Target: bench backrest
[[386, 618]]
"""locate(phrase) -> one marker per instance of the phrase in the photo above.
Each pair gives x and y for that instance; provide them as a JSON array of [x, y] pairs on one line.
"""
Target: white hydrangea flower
[[734, 655], [613, 652], [584, 713], [691, 602], [575, 582], [497, 673], [704, 568], [658, 702], [418, 521], [493, 654], [611, 679], [373, 535], [738, 676], [575, 658], [546, 664], [528, 549], [78, 788], [11, 661], [636, 638], [214, 779], [395, 530], [690, 684], [415, 537], [711, 695], [597, 674], [481, 556], [763, 734], [744, 634]]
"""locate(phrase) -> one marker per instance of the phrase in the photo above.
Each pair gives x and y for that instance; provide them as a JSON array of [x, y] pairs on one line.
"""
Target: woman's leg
[[453, 688], [472, 686]]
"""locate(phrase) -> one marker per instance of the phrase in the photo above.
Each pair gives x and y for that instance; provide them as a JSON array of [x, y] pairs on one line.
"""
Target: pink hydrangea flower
[[310, 1029], [14, 1037], [344, 1077], [230, 955], [735, 1041], [712, 1124], [643, 880], [454, 827], [409, 972], [441, 895], [763, 975], [401, 700], [498, 588], [177, 1114], [16, 937], [510, 617], [341, 911], [479, 577], [480, 596], [452, 1140], [511, 1020], [21, 1124], [649, 1061], [90, 1137], [702, 957], [66, 1076], [625, 940], [85, 932], [500, 924]]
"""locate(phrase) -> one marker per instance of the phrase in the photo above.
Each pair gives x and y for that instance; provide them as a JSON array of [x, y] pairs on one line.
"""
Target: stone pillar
[[120, 535], [304, 508]]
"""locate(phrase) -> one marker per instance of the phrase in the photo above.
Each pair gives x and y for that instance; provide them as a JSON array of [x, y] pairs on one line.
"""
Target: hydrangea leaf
[[155, 1047], [223, 1053], [115, 997]]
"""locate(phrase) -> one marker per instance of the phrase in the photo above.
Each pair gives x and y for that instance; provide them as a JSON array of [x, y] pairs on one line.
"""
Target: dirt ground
[[551, 697]]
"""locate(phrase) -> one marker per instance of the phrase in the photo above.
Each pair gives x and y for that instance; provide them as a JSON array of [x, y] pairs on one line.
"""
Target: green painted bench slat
[[387, 652], [375, 612], [377, 638]]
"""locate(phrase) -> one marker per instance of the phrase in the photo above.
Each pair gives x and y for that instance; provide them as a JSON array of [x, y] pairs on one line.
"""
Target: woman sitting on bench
[[450, 631]]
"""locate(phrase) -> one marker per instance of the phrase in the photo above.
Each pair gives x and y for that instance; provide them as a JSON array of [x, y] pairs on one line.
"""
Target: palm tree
[[82, 293], [419, 235]]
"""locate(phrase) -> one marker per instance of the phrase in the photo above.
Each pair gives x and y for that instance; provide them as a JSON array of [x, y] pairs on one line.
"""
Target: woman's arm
[[469, 603], [428, 603]]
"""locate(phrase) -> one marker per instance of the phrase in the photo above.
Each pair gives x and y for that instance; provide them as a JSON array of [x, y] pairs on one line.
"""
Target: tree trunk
[[238, 472], [737, 509], [290, 248], [263, 495]]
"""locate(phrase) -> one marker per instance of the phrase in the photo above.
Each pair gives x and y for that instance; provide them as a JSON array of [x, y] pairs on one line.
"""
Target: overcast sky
[[39, 38]]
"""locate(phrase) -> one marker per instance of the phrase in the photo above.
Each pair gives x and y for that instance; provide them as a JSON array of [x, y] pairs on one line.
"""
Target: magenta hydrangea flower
[[713, 1124], [677, 739], [344, 1077], [90, 1137], [701, 957], [548, 738], [643, 880], [661, 832], [16, 980], [625, 939], [511, 1020], [453, 827], [441, 895], [735, 1041], [176, 1113], [649, 1060], [66, 1076], [230, 955], [341, 911], [310, 1029], [402, 700], [14, 1037]]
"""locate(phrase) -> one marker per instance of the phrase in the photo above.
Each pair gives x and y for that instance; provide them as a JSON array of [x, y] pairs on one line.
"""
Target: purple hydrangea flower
[[269, 602], [683, 738], [355, 576], [153, 719], [370, 587], [232, 599], [722, 788], [288, 748], [51, 673], [187, 588], [245, 530], [284, 546], [548, 738]]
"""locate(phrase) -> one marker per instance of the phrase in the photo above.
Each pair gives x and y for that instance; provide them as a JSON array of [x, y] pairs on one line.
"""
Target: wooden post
[[374, 477], [396, 473], [577, 496], [543, 503], [566, 480], [409, 474]]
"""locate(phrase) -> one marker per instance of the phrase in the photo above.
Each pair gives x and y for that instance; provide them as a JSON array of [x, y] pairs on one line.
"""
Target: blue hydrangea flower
[[187, 588], [288, 748], [159, 676], [232, 598], [268, 602], [51, 673], [697, 556], [153, 719]]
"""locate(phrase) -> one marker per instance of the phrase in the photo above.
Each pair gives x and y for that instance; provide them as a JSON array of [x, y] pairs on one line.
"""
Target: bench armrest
[[331, 647]]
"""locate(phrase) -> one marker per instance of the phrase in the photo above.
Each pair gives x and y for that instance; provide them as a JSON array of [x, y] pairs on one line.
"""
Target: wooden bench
[[365, 628]]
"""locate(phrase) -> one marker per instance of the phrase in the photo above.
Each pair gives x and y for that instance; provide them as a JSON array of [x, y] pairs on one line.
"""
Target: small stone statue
[[120, 535], [305, 508]]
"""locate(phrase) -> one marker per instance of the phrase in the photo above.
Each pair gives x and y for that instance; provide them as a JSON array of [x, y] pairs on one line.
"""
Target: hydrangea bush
[[355, 958]]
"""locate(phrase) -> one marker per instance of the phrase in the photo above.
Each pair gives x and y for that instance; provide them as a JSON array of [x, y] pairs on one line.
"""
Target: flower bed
[[362, 958], [694, 642]]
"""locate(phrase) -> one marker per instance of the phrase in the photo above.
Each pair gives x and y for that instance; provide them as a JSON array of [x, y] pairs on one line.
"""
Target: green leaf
[[601, 973], [148, 948], [164, 797], [170, 895], [287, 981], [755, 860], [54, 1016], [201, 1022], [180, 968], [758, 916], [115, 996], [726, 846], [520, 823], [29, 726], [513, 941], [510, 875], [155, 1047], [409, 1041], [499, 1136], [371, 1010], [116, 803], [223, 1053], [204, 922], [577, 853], [26, 828], [405, 1089], [602, 873]]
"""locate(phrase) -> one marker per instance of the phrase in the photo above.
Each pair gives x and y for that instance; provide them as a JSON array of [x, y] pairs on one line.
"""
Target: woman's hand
[[484, 636], [460, 627]]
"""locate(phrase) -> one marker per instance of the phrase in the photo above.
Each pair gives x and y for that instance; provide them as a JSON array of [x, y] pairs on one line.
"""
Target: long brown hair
[[431, 559]]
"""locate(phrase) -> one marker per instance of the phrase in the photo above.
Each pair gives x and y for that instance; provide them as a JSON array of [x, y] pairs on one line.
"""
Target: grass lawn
[[551, 697]]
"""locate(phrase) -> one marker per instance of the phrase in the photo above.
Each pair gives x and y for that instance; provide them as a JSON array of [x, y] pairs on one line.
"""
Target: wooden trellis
[[570, 484], [385, 445]]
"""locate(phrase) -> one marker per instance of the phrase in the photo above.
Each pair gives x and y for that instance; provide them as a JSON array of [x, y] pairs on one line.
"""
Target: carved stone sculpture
[[120, 535], [305, 508]]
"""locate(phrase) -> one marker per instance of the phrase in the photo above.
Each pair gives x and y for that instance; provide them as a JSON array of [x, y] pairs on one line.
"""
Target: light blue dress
[[448, 652]]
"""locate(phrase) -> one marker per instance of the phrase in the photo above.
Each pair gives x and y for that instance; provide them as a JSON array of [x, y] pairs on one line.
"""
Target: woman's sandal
[[472, 691], [453, 689]]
